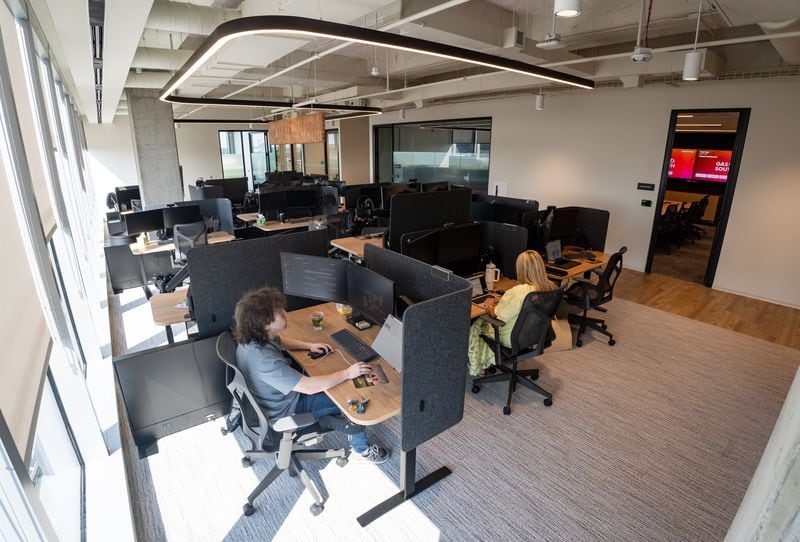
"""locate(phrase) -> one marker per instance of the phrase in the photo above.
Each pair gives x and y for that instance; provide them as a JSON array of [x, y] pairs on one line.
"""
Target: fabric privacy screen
[[27, 120], [23, 330]]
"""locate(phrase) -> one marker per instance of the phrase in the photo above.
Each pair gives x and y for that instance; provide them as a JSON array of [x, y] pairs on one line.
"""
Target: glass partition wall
[[456, 151]]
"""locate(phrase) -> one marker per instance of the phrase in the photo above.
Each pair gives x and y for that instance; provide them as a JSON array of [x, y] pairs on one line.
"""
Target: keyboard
[[354, 346], [564, 263], [555, 271]]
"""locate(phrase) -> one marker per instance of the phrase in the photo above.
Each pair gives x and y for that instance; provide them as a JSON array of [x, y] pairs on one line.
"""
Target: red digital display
[[681, 163], [712, 165]]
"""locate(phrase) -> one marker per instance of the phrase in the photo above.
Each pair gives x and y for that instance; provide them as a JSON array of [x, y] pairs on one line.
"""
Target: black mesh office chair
[[286, 439], [188, 236], [591, 295], [531, 334]]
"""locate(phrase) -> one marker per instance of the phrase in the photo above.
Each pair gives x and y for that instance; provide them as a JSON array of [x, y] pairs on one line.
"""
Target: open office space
[[663, 126]]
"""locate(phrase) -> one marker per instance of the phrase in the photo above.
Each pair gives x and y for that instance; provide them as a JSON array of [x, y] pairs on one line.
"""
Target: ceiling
[[147, 41]]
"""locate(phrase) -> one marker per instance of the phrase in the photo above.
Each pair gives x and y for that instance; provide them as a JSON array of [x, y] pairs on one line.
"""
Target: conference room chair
[[590, 295], [531, 335], [286, 440], [188, 236]]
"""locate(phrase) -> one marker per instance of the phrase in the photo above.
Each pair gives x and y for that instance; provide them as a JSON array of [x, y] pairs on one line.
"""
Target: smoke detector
[[642, 54], [551, 41]]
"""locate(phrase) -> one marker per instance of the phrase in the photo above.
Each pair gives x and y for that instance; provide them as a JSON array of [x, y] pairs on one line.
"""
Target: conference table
[[384, 399]]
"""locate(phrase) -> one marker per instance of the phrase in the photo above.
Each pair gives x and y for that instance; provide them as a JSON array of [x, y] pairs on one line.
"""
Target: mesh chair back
[[188, 236], [607, 280], [533, 322], [253, 418]]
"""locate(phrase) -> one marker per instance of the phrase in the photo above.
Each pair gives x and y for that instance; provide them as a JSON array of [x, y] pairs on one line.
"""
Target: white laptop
[[389, 342]]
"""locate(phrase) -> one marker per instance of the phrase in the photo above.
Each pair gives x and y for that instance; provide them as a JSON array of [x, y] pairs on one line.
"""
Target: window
[[230, 148], [258, 156], [332, 153], [456, 151]]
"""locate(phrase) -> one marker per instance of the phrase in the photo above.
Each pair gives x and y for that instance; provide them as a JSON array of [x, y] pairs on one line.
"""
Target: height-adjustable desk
[[354, 246], [152, 248], [384, 399]]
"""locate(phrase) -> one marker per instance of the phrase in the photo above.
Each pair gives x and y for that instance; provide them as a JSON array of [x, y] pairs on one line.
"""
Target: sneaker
[[374, 454]]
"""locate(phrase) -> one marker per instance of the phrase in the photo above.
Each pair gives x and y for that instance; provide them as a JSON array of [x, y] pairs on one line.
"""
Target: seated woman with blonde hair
[[532, 277]]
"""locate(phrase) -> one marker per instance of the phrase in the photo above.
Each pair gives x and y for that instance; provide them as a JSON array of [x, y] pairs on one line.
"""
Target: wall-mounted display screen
[[681, 163], [712, 165], [699, 164]]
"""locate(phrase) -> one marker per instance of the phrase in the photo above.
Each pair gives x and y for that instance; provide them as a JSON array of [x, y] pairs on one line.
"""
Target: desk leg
[[170, 338], [408, 487]]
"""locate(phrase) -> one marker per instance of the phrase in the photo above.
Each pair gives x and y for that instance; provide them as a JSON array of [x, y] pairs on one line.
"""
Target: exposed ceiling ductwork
[[789, 48], [187, 18], [150, 58]]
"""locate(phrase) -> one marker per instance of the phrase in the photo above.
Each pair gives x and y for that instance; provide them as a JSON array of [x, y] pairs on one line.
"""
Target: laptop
[[553, 252], [389, 342], [478, 284]]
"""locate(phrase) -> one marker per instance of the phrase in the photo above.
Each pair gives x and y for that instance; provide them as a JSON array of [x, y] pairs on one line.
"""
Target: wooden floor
[[761, 319]]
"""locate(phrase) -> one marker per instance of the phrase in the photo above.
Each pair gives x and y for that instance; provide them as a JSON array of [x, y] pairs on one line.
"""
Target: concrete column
[[155, 147]]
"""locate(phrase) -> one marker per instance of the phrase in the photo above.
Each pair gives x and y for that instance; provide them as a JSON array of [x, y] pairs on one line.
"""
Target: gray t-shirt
[[269, 377]]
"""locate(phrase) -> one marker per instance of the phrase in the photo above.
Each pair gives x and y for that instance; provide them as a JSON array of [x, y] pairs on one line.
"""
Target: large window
[[332, 153], [230, 148], [456, 151]]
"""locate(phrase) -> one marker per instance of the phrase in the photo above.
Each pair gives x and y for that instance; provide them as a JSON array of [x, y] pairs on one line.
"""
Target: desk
[[247, 217], [384, 399], [601, 258], [213, 238], [165, 313], [354, 246]]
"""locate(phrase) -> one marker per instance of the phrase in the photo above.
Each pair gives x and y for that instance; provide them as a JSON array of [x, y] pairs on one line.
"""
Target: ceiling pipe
[[188, 18], [788, 49]]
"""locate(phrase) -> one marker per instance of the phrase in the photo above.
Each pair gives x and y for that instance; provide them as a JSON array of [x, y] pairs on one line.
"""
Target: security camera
[[642, 54]]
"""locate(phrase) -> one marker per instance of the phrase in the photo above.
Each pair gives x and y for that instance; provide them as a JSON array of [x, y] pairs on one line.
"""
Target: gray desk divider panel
[[435, 337], [171, 388], [222, 273], [594, 224], [424, 211], [508, 241]]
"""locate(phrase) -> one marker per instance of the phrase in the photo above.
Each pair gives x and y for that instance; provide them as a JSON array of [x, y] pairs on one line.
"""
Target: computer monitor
[[391, 190], [460, 249], [186, 214], [271, 201], [553, 250], [301, 198], [124, 196], [370, 294], [314, 277], [233, 189], [565, 225], [144, 221], [435, 187]]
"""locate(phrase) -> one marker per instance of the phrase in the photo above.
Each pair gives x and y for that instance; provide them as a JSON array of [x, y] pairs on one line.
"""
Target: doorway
[[698, 179]]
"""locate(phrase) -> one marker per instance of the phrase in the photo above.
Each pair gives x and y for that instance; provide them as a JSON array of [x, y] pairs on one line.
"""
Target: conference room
[[384, 165]]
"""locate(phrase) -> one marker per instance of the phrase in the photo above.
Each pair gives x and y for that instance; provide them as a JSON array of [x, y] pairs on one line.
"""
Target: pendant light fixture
[[539, 101], [691, 64], [567, 8]]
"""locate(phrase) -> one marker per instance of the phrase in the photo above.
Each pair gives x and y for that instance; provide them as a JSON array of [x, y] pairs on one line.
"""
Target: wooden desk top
[[213, 238], [601, 258], [163, 307], [355, 245], [384, 399], [247, 217], [274, 225]]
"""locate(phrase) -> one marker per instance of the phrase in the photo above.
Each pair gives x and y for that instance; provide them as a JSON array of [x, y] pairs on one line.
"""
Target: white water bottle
[[492, 275]]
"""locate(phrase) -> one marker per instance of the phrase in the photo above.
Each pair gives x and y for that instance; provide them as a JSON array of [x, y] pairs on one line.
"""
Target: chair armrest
[[295, 422], [496, 322]]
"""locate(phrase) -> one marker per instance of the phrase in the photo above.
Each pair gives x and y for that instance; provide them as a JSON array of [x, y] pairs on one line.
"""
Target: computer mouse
[[315, 355]]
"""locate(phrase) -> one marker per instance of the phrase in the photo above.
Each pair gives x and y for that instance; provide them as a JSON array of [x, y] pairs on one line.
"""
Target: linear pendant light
[[280, 25]]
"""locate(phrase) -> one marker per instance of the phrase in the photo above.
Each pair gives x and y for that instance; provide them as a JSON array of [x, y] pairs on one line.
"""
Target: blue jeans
[[321, 405]]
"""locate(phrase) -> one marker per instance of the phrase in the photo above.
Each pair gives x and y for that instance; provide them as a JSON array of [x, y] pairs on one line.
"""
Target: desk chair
[[188, 236], [285, 439], [530, 336], [591, 295]]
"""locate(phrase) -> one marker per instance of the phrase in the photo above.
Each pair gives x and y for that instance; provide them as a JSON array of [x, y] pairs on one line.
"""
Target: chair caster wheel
[[506, 411], [246, 462], [548, 402], [223, 431], [315, 509], [475, 388], [491, 369], [341, 461], [611, 342], [248, 509], [292, 473], [579, 343]]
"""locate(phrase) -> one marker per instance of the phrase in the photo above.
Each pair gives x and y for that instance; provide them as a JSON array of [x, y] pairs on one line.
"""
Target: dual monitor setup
[[380, 195], [298, 202], [161, 219], [456, 248], [371, 295], [233, 189]]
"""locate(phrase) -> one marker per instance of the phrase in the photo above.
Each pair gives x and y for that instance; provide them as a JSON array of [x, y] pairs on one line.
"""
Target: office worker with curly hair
[[259, 325], [532, 277]]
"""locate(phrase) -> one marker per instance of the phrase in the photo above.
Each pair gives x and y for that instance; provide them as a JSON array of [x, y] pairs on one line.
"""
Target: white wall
[[590, 148], [111, 156], [198, 150]]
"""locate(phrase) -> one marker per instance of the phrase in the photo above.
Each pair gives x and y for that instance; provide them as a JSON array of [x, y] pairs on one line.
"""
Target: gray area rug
[[654, 439]]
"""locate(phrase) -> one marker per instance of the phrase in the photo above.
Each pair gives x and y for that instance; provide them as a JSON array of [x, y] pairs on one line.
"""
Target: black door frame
[[727, 198]]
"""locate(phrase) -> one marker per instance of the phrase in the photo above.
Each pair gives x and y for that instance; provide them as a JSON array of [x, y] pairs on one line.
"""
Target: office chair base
[[513, 376], [596, 324]]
